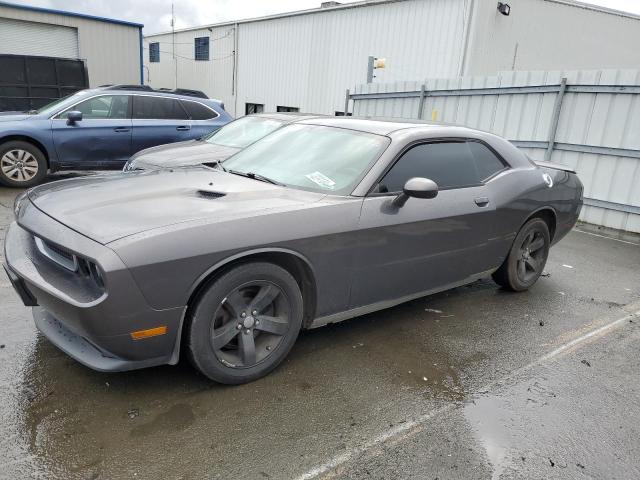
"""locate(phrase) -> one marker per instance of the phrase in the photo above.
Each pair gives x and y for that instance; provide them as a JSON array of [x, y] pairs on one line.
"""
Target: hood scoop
[[210, 194]]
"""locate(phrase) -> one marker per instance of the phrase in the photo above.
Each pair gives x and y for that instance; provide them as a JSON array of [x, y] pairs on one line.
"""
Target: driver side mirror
[[73, 117], [416, 187]]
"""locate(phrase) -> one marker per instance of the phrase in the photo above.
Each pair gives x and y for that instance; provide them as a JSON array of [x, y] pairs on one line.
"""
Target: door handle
[[481, 201], [121, 129], [183, 127]]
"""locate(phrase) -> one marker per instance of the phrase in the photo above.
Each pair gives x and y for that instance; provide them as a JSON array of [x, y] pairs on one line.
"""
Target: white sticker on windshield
[[321, 179]]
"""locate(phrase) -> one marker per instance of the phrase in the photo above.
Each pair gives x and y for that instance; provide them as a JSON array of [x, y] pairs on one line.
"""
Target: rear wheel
[[527, 257], [21, 164], [245, 323]]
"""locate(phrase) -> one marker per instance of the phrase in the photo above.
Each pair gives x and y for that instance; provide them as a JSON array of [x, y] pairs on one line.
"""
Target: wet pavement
[[471, 383]]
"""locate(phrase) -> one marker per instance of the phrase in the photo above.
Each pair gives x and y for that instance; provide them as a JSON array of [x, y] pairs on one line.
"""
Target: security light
[[504, 8]]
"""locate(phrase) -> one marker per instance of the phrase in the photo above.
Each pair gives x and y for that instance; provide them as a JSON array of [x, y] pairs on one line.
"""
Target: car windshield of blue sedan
[[53, 106], [243, 132], [310, 157]]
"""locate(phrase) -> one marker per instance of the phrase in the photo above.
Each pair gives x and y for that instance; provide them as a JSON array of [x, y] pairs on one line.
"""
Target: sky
[[156, 14]]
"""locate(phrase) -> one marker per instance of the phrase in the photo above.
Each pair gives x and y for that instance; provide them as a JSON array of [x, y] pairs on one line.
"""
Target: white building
[[111, 49], [307, 59]]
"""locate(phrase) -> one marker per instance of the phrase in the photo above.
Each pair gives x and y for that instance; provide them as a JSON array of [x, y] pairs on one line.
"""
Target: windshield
[[311, 157], [53, 106], [243, 132]]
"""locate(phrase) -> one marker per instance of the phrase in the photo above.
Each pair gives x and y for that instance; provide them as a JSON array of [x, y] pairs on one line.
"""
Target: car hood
[[192, 152], [109, 207]]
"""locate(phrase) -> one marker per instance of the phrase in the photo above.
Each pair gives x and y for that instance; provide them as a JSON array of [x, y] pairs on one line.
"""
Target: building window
[[201, 48], [154, 52], [341, 114], [250, 108], [280, 108]]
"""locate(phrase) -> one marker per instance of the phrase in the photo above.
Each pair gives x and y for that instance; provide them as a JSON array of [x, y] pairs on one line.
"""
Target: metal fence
[[589, 120]]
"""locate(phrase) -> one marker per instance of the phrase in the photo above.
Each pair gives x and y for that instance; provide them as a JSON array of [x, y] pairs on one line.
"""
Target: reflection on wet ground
[[344, 385]]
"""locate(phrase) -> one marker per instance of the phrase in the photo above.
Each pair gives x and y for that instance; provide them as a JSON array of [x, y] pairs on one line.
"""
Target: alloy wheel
[[19, 165], [250, 324], [531, 256]]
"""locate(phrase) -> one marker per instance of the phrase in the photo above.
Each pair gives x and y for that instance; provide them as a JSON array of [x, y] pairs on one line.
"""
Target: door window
[[104, 106], [449, 164], [157, 108]]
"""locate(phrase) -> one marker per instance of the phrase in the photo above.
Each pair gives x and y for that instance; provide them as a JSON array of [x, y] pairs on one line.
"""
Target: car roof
[[378, 126]]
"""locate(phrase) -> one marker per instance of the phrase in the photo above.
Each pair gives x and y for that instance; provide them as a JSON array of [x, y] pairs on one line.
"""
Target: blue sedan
[[99, 129]]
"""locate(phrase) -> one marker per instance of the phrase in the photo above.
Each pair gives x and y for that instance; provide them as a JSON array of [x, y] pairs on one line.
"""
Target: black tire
[[527, 257], [22, 164], [216, 344]]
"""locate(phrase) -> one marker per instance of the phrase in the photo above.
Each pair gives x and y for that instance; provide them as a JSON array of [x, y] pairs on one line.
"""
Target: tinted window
[[450, 165], [486, 161], [197, 111], [250, 108], [281, 108], [105, 106], [158, 108]]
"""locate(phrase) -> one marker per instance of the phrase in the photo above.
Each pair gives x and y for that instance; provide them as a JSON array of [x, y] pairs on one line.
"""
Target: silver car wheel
[[19, 165]]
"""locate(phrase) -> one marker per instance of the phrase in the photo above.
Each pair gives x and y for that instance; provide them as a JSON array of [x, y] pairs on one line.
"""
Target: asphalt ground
[[471, 383]]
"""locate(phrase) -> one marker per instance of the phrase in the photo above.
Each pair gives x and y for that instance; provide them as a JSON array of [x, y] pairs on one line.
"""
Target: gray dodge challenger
[[320, 221]]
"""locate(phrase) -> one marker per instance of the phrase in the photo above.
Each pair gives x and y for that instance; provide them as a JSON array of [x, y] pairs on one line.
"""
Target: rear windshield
[[243, 132]]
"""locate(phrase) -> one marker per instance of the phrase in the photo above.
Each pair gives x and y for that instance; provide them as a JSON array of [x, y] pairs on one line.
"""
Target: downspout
[[234, 83], [462, 70], [141, 58]]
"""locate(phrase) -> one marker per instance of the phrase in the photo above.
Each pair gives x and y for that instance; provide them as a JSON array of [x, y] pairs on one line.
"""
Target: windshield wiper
[[255, 176]]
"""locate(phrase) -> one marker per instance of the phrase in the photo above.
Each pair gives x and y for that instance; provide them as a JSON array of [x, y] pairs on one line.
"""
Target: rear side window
[[486, 161], [158, 108], [197, 111]]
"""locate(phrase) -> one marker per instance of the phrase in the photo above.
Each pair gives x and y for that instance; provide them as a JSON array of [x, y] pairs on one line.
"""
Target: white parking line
[[604, 236], [409, 428]]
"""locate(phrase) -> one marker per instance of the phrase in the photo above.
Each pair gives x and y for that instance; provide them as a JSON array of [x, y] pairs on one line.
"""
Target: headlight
[[18, 203]]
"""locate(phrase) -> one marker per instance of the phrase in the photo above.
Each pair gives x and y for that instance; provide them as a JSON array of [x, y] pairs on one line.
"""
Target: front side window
[[198, 111], [154, 52], [449, 164], [157, 108], [201, 45], [311, 157], [102, 107], [243, 132]]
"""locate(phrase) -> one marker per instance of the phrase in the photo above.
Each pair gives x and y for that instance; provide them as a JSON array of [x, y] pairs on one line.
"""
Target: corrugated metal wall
[[309, 60], [18, 37], [111, 51], [589, 121]]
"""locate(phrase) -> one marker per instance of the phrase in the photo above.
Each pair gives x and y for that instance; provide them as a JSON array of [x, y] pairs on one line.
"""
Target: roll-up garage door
[[19, 37]]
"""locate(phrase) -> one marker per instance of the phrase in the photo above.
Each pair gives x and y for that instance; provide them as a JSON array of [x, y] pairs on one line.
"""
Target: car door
[[427, 244], [158, 120], [101, 138]]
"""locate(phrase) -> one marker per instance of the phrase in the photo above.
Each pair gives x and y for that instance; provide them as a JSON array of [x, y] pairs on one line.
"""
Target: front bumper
[[92, 326]]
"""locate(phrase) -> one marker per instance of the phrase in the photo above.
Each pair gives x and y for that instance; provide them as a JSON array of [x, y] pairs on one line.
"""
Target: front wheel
[[527, 257], [245, 323], [21, 164]]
